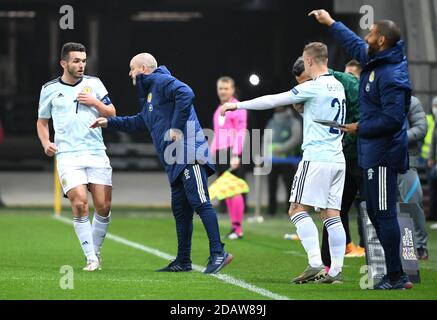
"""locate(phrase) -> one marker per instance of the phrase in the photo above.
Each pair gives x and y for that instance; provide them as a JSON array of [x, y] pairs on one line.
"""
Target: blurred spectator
[[432, 176], [353, 67], [285, 135], [410, 190]]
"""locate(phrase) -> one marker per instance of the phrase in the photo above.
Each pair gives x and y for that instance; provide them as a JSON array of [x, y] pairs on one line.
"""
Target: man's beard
[[371, 51], [74, 74]]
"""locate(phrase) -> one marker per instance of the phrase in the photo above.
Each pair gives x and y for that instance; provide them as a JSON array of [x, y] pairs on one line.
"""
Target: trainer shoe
[[91, 265], [176, 266], [422, 253], [360, 251], [357, 252], [217, 262], [401, 284], [350, 247], [310, 274], [234, 236], [338, 279], [295, 237]]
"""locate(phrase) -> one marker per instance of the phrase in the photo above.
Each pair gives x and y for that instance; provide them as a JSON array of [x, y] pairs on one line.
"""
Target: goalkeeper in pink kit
[[227, 146]]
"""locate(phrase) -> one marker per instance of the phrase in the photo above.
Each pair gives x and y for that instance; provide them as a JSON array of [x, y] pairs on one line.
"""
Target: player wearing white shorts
[[73, 101], [319, 180]]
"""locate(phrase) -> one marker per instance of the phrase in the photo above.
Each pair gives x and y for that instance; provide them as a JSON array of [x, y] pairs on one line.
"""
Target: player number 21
[[341, 110]]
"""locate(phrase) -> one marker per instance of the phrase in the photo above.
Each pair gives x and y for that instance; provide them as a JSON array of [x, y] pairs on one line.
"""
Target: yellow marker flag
[[227, 186]]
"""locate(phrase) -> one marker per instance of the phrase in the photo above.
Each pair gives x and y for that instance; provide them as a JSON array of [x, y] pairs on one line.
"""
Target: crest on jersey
[[87, 89], [187, 174], [368, 87], [149, 97], [370, 174], [150, 107], [372, 76]]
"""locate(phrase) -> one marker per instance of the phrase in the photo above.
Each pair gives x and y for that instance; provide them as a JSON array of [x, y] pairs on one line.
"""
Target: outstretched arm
[[126, 124], [355, 46], [263, 103]]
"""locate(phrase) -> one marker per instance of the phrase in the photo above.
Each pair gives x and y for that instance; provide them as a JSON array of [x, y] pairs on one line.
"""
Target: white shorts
[[84, 169], [319, 184]]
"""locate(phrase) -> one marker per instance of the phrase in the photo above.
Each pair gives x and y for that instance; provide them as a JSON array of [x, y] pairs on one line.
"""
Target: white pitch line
[[223, 277]]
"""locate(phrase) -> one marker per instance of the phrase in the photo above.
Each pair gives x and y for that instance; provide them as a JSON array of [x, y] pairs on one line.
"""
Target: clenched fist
[[50, 149]]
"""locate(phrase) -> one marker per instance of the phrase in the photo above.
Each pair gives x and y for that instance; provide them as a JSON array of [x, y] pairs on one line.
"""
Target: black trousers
[[352, 184], [286, 173]]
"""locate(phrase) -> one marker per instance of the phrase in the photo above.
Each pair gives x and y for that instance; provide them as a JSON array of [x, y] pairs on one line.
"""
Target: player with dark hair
[[353, 67], [73, 101]]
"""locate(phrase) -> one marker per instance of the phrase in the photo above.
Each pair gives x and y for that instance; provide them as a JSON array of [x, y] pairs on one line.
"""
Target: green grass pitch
[[34, 246]]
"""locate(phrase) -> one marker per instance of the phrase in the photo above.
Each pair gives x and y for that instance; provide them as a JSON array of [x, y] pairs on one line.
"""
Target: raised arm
[[355, 46]]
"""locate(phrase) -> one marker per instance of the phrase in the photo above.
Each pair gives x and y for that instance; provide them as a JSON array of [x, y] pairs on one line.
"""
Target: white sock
[[337, 244], [309, 236], [100, 228], [84, 232]]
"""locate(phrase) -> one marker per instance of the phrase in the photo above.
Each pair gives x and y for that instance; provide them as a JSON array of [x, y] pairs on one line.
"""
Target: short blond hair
[[318, 51], [226, 79]]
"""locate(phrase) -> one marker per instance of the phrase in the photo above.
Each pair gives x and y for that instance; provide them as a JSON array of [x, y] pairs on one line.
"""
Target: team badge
[[187, 174], [372, 76], [149, 97], [87, 89], [150, 107], [370, 174], [368, 87]]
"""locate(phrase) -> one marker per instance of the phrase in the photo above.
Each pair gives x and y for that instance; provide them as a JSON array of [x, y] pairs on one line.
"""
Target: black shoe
[[217, 262], [176, 266], [401, 284], [422, 253]]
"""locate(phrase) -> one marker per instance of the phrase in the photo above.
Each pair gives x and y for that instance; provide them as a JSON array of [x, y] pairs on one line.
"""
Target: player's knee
[[81, 206], [293, 209], [103, 208]]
